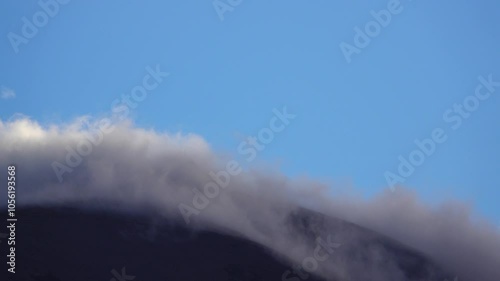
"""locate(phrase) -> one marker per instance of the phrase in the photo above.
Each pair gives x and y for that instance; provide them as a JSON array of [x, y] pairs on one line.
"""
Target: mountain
[[73, 244]]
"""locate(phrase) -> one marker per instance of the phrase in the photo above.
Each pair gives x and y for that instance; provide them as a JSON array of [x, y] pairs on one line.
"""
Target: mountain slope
[[69, 244]]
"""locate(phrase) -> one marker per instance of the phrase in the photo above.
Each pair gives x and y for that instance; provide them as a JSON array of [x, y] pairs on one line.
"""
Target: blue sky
[[226, 76]]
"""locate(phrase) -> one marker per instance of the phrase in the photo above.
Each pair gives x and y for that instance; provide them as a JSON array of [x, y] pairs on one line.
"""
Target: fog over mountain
[[115, 166]]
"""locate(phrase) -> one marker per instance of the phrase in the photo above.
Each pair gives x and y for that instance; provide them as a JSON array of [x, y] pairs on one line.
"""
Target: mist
[[111, 164]]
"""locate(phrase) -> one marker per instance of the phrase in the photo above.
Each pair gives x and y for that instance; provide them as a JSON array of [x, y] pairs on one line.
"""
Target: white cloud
[[6, 93]]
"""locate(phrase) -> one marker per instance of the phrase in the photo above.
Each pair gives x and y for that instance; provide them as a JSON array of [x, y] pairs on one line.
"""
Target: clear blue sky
[[353, 119]]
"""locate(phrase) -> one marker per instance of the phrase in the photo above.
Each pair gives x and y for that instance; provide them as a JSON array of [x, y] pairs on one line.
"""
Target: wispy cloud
[[6, 93], [137, 169]]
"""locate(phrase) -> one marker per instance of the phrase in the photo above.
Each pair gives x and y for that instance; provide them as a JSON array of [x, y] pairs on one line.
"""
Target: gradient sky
[[353, 119]]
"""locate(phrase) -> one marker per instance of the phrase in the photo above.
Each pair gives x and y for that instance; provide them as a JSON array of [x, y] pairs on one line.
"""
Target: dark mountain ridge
[[72, 244]]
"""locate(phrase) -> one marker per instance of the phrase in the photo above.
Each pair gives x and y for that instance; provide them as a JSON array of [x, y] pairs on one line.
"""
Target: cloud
[[6, 93], [134, 169]]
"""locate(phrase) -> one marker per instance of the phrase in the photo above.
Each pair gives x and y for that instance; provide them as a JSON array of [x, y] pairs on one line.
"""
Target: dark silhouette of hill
[[70, 244]]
